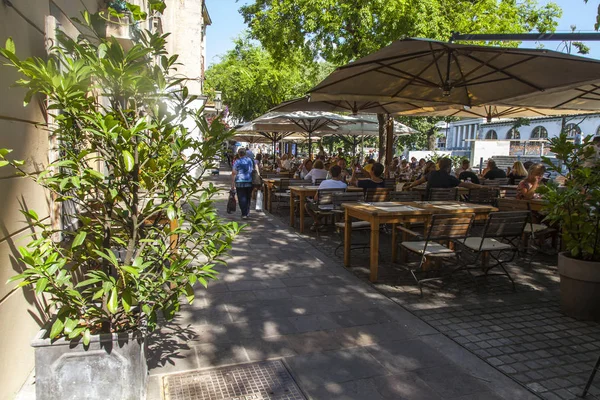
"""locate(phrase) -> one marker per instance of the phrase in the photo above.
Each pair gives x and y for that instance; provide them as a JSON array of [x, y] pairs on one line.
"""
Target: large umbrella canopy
[[369, 127], [255, 138], [354, 107], [580, 97], [468, 75], [308, 121], [487, 112]]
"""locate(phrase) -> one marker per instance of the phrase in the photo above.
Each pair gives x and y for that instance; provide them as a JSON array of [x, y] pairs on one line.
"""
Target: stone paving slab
[[341, 338], [520, 333]]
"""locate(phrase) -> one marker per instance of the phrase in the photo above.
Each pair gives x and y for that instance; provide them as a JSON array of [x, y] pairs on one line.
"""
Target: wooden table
[[303, 192], [423, 188], [400, 212], [269, 185], [534, 204]]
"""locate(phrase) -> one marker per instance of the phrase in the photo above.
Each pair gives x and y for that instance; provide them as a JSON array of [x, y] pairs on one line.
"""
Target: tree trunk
[[431, 140], [382, 120], [389, 143]]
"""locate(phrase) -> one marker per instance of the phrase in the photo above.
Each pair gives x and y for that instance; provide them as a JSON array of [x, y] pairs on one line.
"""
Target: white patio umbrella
[[308, 121], [584, 97]]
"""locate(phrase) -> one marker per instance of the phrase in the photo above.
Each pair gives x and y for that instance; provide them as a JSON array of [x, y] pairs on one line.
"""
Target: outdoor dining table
[[302, 192], [396, 213], [423, 188], [269, 184]]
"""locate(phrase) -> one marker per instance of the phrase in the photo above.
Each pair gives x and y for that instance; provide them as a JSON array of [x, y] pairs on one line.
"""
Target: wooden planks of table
[[396, 213], [302, 192]]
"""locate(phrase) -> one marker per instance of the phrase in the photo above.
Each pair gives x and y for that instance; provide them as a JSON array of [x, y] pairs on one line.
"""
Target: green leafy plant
[[131, 172], [576, 205]]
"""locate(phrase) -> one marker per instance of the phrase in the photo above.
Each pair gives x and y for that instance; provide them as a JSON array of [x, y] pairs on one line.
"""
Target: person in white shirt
[[333, 183], [317, 172], [465, 166]]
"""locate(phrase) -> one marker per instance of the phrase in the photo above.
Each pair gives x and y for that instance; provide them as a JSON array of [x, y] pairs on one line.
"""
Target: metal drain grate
[[257, 381]]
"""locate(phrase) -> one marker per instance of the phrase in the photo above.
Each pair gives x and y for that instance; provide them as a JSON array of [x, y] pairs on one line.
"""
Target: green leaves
[[136, 12], [128, 161], [113, 301], [9, 45], [79, 239], [157, 5]]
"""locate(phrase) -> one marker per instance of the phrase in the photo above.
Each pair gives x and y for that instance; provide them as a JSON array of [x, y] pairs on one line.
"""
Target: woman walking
[[241, 181]]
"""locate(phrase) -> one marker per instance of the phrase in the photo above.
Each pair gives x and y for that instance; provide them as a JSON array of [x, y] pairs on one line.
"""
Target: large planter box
[[111, 367], [579, 288]]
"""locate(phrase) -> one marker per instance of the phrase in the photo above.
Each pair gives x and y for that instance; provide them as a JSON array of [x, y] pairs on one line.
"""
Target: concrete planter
[[579, 288], [113, 366]]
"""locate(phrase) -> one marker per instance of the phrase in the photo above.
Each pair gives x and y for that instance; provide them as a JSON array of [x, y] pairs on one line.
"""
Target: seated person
[[444, 179], [517, 173], [468, 176], [493, 172], [465, 166], [429, 168], [375, 180], [317, 172], [405, 171], [528, 186], [369, 165], [345, 174]]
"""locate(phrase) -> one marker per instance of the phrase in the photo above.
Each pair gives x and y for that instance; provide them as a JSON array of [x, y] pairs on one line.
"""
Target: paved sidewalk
[[282, 298]]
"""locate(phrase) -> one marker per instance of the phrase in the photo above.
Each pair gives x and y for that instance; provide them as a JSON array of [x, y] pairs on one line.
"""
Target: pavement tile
[[313, 342], [407, 355], [450, 381], [314, 322]]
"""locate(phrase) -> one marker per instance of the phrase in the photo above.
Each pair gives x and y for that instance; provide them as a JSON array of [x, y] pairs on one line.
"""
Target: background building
[[32, 23]]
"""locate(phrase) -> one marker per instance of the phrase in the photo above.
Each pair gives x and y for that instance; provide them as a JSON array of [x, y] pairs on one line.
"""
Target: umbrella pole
[[309, 145]]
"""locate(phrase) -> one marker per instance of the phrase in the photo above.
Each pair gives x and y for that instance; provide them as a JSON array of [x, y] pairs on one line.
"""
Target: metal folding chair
[[349, 197], [442, 194], [443, 228], [323, 206], [486, 195], [502, 229]]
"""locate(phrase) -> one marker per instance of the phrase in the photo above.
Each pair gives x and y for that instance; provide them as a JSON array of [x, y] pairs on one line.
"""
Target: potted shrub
[[143, 231], [575, 207]]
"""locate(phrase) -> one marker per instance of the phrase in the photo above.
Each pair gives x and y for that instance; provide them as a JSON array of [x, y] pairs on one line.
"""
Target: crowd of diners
[[338, 171]]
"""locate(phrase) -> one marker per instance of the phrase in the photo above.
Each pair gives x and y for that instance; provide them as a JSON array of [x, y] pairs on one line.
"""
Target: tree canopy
[[252, 82], [339, 31]]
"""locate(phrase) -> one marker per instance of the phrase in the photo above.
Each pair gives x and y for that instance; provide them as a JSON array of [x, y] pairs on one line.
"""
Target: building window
[[513, 134], [491, 134], [572, 130], [539, 132]]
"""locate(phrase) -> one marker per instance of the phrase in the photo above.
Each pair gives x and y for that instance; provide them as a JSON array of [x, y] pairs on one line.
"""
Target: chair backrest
[[506, 224], [449, 226], [346, 197], [406, 196], [298, 182], [318, 181], [510, 193], [390, 183], [377, 194], [283, 185], [513, 205], [442, 194], [495, 182], [487, 195], [517, 181], [325, 196]]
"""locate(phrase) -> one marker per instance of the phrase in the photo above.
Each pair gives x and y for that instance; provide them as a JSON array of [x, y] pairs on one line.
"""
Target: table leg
[[292, 210], [270, 199], [347, 240], [302, 199], [394, 243], [265, 195], [374, 249]]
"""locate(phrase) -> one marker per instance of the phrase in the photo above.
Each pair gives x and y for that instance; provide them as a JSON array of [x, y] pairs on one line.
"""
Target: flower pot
[[113, 366], [579, 287]]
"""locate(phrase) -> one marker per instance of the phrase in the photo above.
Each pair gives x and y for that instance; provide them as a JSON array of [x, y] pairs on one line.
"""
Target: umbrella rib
[[462, 76], [418, 77], [493, 72], [503, 71], [481, 65], [404, 57], [581, 96], [407, 75]]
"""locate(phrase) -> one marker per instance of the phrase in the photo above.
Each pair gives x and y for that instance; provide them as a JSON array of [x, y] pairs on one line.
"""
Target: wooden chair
[[442, 228], [377, 194], [442, 194], [495, 182], [318, 181], [533, 230], [323, 205], [406, 196], [501, 230]]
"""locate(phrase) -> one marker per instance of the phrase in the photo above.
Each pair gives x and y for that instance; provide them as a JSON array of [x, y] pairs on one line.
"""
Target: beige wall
[[184, 20], [21, 129]]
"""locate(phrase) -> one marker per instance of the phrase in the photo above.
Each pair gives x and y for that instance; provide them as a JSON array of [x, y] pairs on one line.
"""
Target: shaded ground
[[342, 339], [521, 333]]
